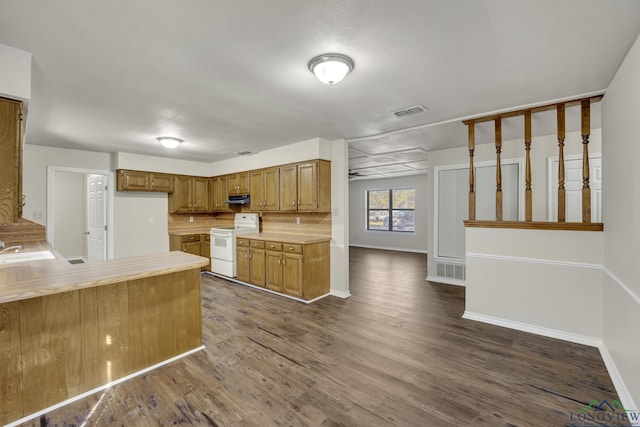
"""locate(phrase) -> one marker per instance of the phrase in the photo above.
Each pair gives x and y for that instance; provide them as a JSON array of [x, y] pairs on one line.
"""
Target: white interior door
[[573, 188], [96, 218]]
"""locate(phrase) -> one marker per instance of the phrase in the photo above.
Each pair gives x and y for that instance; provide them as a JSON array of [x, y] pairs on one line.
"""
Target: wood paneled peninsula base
[[70, 329]]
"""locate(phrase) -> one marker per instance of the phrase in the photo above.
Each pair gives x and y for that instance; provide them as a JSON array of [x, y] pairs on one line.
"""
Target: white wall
[[621, 216], [141, 223], [360, 236], [160, 164], [316, 148], [544, 281], [128, 207], [68, 205], [340, 218], [15, 73]]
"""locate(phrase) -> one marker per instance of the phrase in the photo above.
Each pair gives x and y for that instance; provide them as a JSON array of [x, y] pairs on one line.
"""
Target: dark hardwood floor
[[396, 353]]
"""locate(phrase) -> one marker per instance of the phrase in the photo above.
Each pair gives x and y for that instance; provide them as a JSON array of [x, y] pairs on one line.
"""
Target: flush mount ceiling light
[[169, 141], [331, 68]]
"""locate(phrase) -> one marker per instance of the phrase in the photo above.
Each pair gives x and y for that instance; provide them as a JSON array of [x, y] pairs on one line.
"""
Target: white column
[[340, 219]]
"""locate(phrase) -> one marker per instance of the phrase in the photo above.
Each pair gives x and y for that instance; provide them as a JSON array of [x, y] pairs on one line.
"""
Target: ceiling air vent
[[410, 111], [243, 153]]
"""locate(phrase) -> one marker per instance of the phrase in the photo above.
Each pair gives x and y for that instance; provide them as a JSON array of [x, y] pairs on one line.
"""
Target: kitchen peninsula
[[68, 329]]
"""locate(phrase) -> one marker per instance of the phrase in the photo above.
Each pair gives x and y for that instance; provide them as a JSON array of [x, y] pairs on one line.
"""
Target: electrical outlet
[[37, 215], [152, 220], [297, 220], [190, 219]]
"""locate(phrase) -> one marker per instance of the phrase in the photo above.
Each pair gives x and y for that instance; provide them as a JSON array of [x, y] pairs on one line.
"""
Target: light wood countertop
[[189, 231], [25, 280], [299, 239]]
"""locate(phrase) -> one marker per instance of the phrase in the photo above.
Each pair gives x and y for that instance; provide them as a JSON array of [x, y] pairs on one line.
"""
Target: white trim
[[617, 380], [632, 294], [389, 248], [110, 182], [340, 294], [230, 279], [535, 260], [538, 330], [103, 387], [446, 280]]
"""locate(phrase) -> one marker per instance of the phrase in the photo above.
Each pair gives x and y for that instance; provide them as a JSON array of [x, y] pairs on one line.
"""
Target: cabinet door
[[308, 186], [244, 183], [200, 194], [292, 274], [273, 279], [213, 191], [191, 247], [232, 181], [242, 263], [132, 181], [257, 187], [10, 161], [257, 269], [161, 183], [271, 189], [222, 194], [182, 194], [289, 188], [205, 249]]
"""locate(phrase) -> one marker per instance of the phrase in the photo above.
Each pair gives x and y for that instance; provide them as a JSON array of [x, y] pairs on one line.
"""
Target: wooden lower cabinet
[[250, 261], [299, 270], [195, 244], [292, 274]]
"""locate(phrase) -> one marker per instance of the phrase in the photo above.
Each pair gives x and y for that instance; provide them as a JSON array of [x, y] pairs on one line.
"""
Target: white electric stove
[[223, 243]]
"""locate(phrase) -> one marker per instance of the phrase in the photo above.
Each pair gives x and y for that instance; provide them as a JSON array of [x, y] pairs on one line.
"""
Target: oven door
[[223, 246]]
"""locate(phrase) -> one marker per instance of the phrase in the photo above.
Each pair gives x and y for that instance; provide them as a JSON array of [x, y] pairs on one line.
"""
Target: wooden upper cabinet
[[306, 187], [265, 189], [128, 180], [239, 183], [190, 194], [218, 193], [289, 188], [10, 161]]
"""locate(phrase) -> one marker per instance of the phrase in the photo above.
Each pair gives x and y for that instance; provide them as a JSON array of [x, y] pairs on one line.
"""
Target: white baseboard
[[533, 329], [102, 387], [446, 280], [618, 382], [340, 294], [388, 248]]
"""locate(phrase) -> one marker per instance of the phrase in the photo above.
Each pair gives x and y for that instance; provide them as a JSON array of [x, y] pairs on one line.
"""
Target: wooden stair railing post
[[498, 169], [562, 203], [586, 190], [528, 204], [472, 181]]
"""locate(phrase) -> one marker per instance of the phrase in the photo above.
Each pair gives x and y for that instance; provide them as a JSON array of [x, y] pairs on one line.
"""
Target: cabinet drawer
[[191, 238], [292, 248], [257, 244], [242, 242], [274, 246]]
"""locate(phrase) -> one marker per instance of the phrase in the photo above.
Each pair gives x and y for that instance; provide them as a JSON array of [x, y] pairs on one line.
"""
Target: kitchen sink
[[25, 257]]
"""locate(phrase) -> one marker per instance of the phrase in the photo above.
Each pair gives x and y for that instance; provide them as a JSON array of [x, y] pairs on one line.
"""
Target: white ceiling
[[230, 76]]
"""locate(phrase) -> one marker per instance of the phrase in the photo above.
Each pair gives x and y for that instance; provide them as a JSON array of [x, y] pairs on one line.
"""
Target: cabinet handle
[[293, 203], [153, 183], [290, 248], [279, 261], [298, 202], [283, 261]]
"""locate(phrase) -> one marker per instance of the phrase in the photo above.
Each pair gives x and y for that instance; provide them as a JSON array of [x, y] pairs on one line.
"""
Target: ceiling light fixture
[[331, 68], [169, 141]]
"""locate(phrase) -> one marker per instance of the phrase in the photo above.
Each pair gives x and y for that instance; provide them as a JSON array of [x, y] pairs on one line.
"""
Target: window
[[391, 210]]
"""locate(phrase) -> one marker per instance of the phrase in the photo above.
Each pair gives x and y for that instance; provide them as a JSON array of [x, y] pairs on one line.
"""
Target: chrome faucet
[[3, 249]]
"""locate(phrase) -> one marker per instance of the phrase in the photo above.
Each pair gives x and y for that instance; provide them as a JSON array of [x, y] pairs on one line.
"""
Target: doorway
[[80, 213]]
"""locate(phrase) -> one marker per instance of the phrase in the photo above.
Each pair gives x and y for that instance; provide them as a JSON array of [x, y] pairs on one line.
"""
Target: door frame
[[109, 200], [552, 190]]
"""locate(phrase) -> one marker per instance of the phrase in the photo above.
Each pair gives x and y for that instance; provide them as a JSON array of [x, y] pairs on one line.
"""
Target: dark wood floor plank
[[397, 353]]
